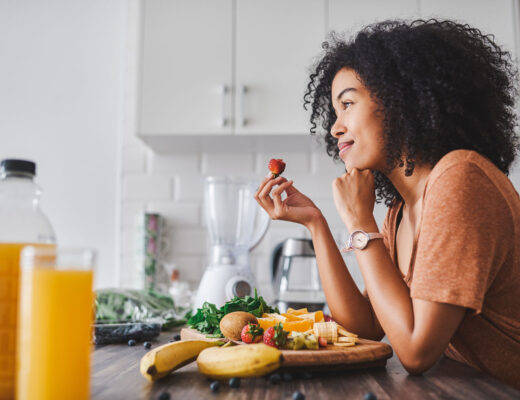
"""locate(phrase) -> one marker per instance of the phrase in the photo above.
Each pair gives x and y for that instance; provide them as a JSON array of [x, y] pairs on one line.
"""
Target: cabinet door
[[276, 41], [186, 64], [492, 17], [348, 16]]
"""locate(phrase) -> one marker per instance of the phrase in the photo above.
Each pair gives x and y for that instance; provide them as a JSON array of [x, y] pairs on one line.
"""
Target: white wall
[[61, 96]]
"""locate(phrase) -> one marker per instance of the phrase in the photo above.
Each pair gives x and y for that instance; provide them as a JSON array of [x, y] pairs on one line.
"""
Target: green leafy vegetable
[[207, 319], [130, 305]]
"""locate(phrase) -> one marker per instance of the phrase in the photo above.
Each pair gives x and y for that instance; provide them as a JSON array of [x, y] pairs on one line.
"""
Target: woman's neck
[[411, 188]]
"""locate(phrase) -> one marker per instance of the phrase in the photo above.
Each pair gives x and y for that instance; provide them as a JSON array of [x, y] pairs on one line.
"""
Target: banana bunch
[[164, 359], [239, 361]]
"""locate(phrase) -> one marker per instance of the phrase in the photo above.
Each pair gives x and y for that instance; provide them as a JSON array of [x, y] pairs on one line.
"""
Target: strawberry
[[322, 341], [276, 166], [252, 333], [275, 336]]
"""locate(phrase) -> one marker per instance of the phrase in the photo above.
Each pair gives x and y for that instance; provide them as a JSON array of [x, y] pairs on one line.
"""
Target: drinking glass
[[55, 323]]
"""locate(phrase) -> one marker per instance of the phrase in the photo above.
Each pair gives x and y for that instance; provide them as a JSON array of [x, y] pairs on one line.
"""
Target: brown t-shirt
[[467, 253]]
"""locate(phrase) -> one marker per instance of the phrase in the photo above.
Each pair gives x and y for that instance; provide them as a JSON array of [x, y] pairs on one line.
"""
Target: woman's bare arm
[[418, 330], [346, 303]]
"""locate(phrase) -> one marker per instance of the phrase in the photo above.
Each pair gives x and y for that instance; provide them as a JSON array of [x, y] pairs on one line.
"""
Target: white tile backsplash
[[172, 185], [174, 165], [228, 164], [178, 215], [147, 187]]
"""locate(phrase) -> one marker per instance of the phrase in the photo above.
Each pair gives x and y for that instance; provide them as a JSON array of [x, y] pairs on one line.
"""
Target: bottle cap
[[20, 167]]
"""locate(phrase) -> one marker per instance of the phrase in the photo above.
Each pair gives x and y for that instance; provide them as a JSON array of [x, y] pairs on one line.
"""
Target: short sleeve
[[464, 237]]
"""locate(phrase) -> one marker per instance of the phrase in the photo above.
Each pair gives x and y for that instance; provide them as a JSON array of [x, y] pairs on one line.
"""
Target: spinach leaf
[[207, 319]]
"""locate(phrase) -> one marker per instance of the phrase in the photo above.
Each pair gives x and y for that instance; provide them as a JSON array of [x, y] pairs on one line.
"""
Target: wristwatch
[[358, 240]]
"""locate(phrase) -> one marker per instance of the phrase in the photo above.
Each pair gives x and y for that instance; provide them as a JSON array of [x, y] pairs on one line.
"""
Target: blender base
[[222, 283]]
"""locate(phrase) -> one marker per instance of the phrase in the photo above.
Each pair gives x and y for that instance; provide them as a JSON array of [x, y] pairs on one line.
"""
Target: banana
[[164, 359], [239, 361]]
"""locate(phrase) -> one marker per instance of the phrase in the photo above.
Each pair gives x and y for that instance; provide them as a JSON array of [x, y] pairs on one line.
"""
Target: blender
[[236, 225]]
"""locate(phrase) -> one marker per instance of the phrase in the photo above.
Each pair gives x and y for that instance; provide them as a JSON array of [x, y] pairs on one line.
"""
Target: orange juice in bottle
[[21, 222]]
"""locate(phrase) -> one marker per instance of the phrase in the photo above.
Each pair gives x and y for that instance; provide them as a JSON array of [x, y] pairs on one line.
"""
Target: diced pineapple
[[291, 317], [297, 312], [278, 317], [314, 316]]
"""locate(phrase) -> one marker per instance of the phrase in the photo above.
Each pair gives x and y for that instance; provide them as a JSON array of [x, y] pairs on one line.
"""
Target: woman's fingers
[[262, 195], [277, 195]]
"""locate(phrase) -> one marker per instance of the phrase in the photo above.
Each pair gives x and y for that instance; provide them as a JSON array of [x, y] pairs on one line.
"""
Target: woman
[[422, 114]]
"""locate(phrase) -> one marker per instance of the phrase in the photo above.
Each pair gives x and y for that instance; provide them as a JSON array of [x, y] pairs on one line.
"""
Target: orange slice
[[266, 322], [298, 326]]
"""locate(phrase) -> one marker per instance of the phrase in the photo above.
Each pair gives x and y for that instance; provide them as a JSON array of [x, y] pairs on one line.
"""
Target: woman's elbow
[[417, 365]]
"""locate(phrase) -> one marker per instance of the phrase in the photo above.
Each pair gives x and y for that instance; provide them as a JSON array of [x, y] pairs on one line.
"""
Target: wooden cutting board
[[366, 353]]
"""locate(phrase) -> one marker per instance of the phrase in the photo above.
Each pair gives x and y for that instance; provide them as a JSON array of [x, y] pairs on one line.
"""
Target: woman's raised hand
[[295, 208]]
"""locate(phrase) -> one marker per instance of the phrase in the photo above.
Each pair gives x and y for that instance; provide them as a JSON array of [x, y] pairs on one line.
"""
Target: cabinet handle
[[224, 90], [242, 90]]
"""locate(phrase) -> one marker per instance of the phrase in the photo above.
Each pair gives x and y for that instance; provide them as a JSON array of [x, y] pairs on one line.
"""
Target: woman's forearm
[[347, 305]]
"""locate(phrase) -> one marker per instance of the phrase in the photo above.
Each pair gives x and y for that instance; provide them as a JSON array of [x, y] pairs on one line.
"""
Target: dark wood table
[[116, 375]]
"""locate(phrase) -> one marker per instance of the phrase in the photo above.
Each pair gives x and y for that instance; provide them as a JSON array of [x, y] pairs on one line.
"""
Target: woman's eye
[[346, 104]]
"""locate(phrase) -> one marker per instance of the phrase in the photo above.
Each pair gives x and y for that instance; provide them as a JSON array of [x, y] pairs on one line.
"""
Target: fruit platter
[[246, 338]]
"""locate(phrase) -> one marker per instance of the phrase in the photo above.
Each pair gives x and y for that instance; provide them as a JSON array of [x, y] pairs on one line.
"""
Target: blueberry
[[275, 379], [215, 386], [147, 345], [164, 396], [177, 337], [307, 375], [287, 377], [131, 342], [369, 396], [298, 396], [234, 383]]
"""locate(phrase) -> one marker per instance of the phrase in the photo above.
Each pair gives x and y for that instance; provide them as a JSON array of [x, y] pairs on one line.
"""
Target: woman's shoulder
[[465, 176], [466, 167]]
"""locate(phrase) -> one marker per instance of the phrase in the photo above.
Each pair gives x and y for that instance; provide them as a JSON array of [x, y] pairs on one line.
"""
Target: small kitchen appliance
[[295, 276], [236, 224]]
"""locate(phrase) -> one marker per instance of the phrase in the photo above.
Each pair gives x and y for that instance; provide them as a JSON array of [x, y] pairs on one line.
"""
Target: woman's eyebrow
[[350, 89]]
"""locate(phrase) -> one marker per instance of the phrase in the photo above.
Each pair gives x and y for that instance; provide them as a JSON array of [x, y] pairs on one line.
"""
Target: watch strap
[[371, 235]]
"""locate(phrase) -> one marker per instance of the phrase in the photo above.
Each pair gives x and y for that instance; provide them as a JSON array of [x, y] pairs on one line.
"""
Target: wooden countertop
[[115, 375]]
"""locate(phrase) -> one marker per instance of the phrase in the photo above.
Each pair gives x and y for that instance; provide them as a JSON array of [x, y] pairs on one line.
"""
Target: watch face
[[359, 240]]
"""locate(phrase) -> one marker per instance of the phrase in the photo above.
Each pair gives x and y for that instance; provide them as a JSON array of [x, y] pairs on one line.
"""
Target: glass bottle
[[22, 223]]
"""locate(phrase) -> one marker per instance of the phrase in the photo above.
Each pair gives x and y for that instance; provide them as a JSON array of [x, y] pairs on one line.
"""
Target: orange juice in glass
[[55, 324]]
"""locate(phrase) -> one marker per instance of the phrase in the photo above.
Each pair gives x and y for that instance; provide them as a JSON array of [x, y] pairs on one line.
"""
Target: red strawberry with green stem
[[252, 333], [276, 166], [275, 336]]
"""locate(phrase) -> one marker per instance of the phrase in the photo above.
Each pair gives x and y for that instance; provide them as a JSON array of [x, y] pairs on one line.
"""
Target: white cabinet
[[231, 73], [227, 66], [186, 67], [276, 42], [351, 15]]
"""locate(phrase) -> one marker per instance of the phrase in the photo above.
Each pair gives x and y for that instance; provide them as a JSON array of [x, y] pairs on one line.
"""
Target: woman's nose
[[338, 129]]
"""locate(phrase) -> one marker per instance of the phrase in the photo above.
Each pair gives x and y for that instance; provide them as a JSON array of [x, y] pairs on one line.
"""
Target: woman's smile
[[344, 146]]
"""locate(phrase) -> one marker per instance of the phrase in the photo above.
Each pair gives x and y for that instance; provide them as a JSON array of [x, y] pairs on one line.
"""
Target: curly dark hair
[[440, 86]]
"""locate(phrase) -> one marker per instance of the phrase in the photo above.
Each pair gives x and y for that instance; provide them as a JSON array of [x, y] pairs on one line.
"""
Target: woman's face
[[358, 127]]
